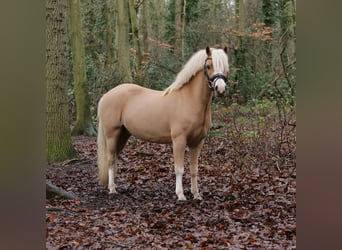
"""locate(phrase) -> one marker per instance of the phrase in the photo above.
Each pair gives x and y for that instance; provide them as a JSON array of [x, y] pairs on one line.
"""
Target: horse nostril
[[216, 87]]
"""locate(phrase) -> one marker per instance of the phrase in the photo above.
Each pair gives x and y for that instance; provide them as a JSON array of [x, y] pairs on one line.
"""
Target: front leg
[[194, 154], [178, 154]]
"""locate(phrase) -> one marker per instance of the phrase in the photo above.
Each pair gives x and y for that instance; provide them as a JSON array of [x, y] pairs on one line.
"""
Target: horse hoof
[[181, 197], [197, 197]]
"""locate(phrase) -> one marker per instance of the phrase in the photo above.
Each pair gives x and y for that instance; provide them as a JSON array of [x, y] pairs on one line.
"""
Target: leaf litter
[[247, 202]]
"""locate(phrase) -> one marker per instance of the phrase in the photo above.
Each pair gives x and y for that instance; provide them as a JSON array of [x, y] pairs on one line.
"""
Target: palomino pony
[[180, 115]]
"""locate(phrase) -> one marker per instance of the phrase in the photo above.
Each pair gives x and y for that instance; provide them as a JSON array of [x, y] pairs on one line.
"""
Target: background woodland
[[92, 46], [248, 162], [148, 41]]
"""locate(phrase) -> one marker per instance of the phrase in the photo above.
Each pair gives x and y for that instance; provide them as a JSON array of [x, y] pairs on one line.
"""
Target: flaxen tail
[[101, 156]]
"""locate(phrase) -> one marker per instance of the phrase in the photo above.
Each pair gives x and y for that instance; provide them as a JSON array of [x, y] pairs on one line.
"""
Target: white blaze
[[220, 86]]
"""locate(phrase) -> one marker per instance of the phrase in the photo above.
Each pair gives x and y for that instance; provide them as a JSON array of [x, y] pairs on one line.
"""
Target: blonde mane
[[195, 64]]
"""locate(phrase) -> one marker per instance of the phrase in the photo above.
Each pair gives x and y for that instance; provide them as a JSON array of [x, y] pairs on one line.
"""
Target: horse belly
[[151, 135], [148, 126]]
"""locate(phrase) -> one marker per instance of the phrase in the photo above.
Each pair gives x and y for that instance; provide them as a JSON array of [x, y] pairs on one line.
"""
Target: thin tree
[[179, 27], [156, 24], [288, 25], [144, 27], [109, 35], [144, 42], [183, 26], [58, 136], [288, 41], [84, 125], [136, 43], [241, 22], [239, 51], [122, 45]]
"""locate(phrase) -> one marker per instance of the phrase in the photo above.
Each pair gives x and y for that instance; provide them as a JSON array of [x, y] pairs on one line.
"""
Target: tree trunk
[[240, 50], [157, 25], [144, 27], [145, 43], [122, 45], [241, 21], [183, 26], [109, 35], [211, 20], [83, 124], [58, 137], [134, 26], [288, 53], [179, 27], [288, 28]]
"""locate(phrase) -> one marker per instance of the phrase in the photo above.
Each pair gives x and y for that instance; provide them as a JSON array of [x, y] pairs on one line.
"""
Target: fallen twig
[[52, 190]]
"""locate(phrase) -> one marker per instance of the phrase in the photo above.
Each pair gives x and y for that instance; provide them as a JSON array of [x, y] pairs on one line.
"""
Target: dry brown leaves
[[248, 189]]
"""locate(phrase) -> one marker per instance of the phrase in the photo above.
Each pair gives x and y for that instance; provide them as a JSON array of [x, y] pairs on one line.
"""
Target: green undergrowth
[[265, 127]]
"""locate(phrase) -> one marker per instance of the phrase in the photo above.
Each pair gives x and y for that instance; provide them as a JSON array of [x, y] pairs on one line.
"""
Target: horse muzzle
[[218, 83], [220, 86]]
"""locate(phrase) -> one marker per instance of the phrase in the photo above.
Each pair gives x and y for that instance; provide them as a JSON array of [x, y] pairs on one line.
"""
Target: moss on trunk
[[58, 137]]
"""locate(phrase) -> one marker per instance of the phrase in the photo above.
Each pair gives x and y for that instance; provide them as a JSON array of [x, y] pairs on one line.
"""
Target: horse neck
[[198, 90]]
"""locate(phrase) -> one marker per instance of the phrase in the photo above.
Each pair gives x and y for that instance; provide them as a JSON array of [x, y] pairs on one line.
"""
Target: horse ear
[[207, 49], [225, 49]]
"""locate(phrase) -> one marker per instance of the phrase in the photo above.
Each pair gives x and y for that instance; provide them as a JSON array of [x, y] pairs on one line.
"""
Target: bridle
[[212, 80]]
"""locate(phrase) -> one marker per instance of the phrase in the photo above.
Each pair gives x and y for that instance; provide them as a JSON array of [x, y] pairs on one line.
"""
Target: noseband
[[215, 77]]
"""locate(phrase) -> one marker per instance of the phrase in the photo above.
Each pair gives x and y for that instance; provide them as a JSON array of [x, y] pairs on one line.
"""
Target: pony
[[180, 115]]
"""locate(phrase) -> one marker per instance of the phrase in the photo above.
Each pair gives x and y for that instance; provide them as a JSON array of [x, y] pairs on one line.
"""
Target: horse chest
[[199, 132]]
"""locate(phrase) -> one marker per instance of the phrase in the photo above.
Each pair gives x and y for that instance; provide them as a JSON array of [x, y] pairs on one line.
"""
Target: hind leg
[[112, 172], [123, 138], [114, 145], [112, 158]]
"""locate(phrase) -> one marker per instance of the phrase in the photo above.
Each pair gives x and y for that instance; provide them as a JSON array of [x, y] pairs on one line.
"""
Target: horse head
[[215, 70]]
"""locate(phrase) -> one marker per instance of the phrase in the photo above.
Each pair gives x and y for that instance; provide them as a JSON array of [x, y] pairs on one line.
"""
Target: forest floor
[[247, 178]]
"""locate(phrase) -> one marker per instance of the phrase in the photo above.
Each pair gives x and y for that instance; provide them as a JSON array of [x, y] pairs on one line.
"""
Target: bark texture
[[122, 45], [134, 26], [58, 136]]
